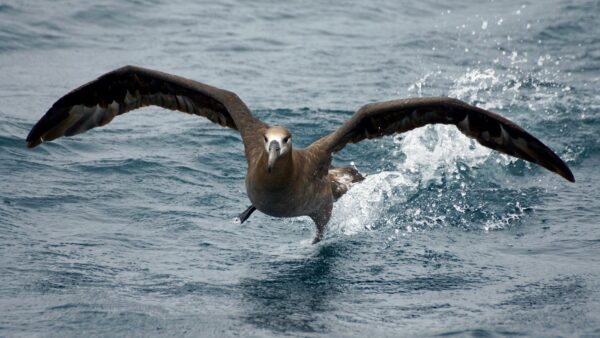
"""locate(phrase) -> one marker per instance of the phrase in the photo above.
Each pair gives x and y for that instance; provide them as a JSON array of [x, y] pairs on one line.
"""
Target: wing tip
[[568, 175], [33, 144], [561, 168], [33, 141]]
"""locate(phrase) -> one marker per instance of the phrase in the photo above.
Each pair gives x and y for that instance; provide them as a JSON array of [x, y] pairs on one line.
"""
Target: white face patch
[[280, 135]]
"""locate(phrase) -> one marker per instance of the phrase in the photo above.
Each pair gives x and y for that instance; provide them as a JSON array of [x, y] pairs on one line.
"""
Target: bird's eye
[[286, 139], [266, 140]]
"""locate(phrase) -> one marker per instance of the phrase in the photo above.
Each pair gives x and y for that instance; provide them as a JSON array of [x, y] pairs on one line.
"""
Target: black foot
[[244, 215]]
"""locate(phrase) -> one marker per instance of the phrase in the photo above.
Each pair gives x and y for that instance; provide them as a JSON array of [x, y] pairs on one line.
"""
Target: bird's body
[[298, 184], [283, 181]]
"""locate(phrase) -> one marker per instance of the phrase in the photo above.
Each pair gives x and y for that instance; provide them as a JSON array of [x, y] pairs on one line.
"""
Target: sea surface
[[129, 229]]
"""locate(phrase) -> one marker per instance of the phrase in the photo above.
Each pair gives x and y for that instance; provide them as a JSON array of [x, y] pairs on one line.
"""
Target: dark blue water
[[128, 230]]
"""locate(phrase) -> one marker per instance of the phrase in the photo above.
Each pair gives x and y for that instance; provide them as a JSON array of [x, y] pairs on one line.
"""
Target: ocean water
[[128, 230]]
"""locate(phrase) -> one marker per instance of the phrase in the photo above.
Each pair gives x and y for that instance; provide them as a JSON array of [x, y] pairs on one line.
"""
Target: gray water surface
[[128, 230]]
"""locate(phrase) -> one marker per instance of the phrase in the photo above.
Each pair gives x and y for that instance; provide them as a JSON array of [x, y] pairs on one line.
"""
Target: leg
[[321, 221], [320, 232], [244, 215]]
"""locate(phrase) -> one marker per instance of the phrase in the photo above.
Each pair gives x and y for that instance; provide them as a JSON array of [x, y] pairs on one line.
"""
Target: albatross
[[282, 181]]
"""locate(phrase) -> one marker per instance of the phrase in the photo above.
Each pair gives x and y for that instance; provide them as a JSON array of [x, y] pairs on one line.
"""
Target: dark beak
[[274, 149]]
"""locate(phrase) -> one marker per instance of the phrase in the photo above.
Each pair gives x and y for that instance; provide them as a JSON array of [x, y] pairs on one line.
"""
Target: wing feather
[[96, 103], [489, 129]]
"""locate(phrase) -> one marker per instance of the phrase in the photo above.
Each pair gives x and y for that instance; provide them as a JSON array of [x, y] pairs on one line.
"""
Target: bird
[[283, 181]]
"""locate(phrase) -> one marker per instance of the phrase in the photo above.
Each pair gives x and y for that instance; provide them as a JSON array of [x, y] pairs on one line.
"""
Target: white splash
[[476, 83], [435, 150], [423, 155], [417, 86], [503, 222], [361, 207]]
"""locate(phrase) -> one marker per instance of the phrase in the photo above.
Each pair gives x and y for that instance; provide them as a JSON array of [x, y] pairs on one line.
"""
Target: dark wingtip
[[564, 170], [568, 175], [32, 139], [33, 142], [561, 168]]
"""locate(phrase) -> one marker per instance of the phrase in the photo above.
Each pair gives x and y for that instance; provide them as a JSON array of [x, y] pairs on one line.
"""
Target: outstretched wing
[[491, 130], [98, 102]]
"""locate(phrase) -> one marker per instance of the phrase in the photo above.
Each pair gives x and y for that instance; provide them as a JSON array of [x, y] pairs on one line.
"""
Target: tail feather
[[342, 179]]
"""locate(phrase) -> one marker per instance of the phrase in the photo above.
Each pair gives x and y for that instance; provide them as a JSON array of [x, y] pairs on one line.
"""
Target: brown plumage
[[282, 181]]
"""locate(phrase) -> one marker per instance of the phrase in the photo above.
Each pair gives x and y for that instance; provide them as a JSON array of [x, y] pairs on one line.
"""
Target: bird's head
[[278, 142]]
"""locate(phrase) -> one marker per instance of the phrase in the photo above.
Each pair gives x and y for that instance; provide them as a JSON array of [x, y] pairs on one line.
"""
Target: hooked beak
[[274, 150]]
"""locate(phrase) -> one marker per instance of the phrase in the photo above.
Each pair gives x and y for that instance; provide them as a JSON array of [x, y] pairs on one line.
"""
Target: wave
[[440, 178]]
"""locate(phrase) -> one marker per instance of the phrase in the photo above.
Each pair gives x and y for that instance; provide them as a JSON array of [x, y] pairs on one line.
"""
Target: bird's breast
[[297, 196]]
